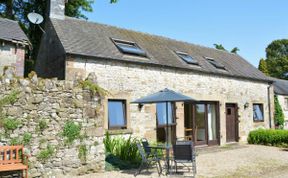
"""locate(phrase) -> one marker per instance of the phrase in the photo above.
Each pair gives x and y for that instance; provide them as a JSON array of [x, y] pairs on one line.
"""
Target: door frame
[[235, 105], [206, 142]]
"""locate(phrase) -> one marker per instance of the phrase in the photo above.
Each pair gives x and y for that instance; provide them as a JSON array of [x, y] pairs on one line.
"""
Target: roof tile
[[94, 39]]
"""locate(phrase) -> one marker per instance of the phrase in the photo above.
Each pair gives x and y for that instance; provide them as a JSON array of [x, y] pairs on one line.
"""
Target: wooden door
[[231, 123]]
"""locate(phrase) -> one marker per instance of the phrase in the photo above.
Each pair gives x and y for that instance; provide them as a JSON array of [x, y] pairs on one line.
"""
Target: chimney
[[56, 9]]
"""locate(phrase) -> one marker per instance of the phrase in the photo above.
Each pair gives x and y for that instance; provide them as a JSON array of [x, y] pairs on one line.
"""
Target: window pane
[[187, 58], [116, 114], [131, 49], [161, 113], [257, 112], [212, 121], [200, 122], [216, 64]]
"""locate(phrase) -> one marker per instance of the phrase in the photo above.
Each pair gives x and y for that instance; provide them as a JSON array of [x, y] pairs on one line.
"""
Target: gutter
[[269, 105]]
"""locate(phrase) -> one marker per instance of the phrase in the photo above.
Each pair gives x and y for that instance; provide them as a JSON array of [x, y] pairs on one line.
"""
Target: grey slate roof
[[11, 31], [280, 86], [93, 39]]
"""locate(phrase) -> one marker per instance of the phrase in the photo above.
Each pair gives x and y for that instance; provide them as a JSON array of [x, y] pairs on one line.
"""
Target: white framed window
[[117, 116], [258, 115]]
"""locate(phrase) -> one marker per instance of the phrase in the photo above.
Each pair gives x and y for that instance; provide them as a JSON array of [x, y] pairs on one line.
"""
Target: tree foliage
[[277, 58], [221, 47], [235, 50], [19, 9], [263, 66], [278, 114]]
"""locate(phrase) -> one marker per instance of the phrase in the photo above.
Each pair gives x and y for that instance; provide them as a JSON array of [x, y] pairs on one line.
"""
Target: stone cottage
[[13, 43], [281, 91], [233, 96]]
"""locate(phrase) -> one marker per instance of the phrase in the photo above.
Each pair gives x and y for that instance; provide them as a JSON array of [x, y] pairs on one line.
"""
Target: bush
[[15, 141], [26, 138], [11, 124], [71, 131], [278, 114], [121, 151], [42, 125], [10, 99], [94, 88], [45, 154], [269, 137]]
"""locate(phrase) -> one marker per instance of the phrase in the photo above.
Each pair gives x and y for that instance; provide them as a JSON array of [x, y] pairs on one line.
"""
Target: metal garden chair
[[184, 153], [147, 160]]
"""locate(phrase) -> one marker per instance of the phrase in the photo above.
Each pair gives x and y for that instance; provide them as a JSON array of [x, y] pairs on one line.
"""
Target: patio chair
[[147, 160], [184, 153], [146, 147], [149, 151]]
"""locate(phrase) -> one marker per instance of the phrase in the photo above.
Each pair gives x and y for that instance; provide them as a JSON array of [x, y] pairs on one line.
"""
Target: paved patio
[[226, 161]]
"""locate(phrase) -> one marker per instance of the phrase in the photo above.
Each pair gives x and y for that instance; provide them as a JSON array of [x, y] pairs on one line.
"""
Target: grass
[[82, 152]]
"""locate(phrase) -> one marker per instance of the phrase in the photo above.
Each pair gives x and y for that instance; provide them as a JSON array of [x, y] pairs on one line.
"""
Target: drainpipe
[[269, 105]]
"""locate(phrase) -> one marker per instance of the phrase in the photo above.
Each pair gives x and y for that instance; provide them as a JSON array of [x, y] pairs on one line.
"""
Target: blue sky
[[248, 24]]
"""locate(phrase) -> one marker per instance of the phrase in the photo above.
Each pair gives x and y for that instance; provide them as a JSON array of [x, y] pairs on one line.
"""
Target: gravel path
[[228, 161]]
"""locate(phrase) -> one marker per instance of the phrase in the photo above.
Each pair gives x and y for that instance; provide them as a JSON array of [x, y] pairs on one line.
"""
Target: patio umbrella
[[166, 96]]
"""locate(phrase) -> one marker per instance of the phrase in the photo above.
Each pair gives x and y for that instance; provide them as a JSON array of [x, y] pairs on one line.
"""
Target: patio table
[[167, 148]]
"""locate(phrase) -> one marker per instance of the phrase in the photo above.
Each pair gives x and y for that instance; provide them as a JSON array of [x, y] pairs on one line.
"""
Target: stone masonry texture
[[131, 81], [55, 103], [12, 55]]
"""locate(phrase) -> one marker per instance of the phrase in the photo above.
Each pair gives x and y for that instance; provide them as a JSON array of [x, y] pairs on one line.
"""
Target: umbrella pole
[[167, 139]]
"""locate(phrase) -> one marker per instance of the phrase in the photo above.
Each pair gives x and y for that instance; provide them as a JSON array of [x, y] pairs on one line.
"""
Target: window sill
[[119, 131], [258, 121]]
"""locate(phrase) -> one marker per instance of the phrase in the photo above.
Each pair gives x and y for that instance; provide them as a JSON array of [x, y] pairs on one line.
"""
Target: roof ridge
[[237, 66], [150, 34]]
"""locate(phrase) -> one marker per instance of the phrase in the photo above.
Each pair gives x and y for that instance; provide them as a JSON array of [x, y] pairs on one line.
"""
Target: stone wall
[[12, 55], [132, 81], [40, 109]]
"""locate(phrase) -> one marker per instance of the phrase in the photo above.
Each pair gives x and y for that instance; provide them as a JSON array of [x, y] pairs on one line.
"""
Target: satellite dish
[[35, 18]]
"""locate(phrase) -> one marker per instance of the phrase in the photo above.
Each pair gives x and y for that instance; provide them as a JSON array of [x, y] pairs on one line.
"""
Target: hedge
[[269, 137]]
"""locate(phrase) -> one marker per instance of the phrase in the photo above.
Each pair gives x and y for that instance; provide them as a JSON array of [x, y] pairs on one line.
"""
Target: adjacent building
[[13, 43], [281, 91], [233, 96]]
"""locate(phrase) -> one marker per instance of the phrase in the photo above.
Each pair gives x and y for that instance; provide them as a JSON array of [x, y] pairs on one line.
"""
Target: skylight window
[[187, 58], [215, 63], [127, 47]]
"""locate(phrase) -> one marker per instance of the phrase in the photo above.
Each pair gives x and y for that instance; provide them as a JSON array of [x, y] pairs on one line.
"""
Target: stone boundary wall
[[35, 111]]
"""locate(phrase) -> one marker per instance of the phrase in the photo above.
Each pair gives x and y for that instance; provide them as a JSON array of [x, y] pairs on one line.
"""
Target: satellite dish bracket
[[36, 19]]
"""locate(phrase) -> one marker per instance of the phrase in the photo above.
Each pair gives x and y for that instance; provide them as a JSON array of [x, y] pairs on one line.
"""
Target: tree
[[263, 67], [235, 50], [278, 114], [19, 9], [277, 58], [221, 47]]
